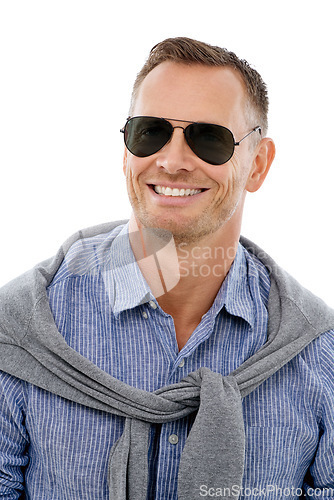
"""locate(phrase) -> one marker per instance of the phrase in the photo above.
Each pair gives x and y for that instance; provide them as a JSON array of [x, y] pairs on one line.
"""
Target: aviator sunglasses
[[214, 144]]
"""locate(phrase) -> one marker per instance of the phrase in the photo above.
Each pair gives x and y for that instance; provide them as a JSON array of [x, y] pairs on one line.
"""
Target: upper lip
[[176, 185]]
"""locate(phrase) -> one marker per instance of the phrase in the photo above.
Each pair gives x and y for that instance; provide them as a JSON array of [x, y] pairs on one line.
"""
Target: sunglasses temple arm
[[123, 129], [249, 133]]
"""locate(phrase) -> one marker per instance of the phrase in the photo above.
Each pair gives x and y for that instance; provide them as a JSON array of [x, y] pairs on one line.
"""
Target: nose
[[176, 154]]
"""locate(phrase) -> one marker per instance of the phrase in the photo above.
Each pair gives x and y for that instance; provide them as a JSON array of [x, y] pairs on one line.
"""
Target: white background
[[67, 69]]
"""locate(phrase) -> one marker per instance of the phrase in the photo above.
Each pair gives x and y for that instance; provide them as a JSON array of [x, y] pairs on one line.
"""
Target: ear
[[263, 157]]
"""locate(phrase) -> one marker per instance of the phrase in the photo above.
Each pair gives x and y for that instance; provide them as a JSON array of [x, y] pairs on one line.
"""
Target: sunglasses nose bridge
[[186, 131], [175, 157], [179, 126], [172, 131]]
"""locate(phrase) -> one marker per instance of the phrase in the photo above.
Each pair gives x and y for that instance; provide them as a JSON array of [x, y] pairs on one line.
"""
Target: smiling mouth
[[167, 191]]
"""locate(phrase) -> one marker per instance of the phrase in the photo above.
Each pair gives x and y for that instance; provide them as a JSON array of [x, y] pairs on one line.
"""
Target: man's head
[[174, 188], [187, 51]]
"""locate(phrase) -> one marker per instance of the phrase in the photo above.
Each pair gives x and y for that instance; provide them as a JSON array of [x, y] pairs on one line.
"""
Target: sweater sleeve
[[319, 482], [13, 437]]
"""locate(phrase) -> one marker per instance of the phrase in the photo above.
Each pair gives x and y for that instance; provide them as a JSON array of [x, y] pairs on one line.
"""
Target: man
[[165, 357]]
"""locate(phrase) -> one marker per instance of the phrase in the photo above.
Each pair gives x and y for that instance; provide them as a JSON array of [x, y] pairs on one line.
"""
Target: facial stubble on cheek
[[137, 201], [215, 217]]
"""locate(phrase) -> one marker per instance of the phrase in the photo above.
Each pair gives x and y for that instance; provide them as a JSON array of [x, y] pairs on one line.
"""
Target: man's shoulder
[[323, 346], [19, 297], [317, 358], [76, 243], [290, 304], [91, 231], [88, 250], [95, 234]]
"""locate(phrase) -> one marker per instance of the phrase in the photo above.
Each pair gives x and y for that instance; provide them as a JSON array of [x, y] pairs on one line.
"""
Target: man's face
[[192, 93]]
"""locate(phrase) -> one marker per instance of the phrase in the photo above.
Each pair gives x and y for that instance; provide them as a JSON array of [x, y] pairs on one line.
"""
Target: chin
[[185, 228], [186, 232]]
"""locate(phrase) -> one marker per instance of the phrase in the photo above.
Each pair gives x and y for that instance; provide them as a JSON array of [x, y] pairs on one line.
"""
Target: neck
[[185, 279]]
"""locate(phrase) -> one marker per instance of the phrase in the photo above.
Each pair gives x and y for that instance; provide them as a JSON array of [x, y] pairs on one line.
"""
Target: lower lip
[[178, 201]]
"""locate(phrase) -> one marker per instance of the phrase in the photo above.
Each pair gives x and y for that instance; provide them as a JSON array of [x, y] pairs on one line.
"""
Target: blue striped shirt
[[59, 449]]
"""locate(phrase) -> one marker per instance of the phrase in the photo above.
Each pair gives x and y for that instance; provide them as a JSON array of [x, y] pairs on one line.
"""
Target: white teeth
[[167, 191]]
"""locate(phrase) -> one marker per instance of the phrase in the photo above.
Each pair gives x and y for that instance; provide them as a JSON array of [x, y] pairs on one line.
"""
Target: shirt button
[[145, 315], [153, 304], [181, 364], [173, 439]]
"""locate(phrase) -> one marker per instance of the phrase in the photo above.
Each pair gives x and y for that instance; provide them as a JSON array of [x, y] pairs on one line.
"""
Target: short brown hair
[[187, 51]]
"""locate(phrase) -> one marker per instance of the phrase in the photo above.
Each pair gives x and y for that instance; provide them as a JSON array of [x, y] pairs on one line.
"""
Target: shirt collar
[[128, 288], [235, 294]]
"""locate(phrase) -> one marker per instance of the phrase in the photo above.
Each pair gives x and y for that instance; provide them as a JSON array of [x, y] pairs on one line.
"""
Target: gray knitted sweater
[[32, 349]]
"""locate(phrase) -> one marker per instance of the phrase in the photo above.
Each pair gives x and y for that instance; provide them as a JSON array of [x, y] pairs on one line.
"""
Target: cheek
[[129, 170], [240, 169], [231, 179], [133, 166], [125, 161], [224, 176]]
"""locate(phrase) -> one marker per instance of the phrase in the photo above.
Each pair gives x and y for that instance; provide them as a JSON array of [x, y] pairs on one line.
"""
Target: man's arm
[[319, 482], [13, 437]]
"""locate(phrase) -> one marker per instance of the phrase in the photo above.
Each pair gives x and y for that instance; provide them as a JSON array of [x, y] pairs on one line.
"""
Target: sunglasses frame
[[129, 118]]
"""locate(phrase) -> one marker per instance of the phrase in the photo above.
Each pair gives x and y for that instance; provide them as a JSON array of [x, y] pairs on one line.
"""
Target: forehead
[[192, 92]]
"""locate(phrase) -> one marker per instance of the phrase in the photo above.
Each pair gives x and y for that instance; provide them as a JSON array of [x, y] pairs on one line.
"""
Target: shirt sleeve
[[13, 437], [319, 482]]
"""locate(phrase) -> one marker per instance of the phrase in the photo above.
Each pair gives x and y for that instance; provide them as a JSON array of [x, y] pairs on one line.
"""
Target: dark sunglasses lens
[[212, 143], [144, 135]]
